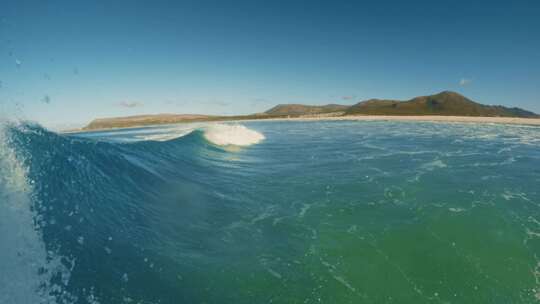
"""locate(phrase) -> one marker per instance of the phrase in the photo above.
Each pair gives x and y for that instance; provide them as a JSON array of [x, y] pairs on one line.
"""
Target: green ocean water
[[317, 212]]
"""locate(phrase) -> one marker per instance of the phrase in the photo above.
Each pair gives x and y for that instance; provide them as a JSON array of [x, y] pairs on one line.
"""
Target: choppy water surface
[[273, 212]]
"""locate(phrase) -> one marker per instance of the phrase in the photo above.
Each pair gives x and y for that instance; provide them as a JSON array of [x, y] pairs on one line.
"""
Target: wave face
[[296, 212]]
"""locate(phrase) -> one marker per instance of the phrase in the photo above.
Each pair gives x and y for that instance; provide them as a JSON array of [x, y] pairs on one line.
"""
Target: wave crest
[[28, 268], [235, 135]]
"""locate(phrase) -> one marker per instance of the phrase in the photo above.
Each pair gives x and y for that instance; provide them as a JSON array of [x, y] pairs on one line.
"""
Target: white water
[[236, 135]]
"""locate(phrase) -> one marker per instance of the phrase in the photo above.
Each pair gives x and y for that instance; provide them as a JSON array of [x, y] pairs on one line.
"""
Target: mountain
[[299, 109], [142, 120], [445, 103]]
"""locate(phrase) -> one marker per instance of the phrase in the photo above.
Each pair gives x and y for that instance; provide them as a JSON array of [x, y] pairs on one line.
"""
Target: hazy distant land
[[444, 106]]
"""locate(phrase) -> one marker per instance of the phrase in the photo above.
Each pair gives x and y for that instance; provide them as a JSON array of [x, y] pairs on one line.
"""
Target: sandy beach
[[432, 118]]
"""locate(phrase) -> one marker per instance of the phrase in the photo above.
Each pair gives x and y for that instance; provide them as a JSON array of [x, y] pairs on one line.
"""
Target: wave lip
[[27, 267], [234, 135]]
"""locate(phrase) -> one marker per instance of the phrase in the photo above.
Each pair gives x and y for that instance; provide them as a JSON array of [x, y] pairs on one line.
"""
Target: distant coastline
[[425, 118], [445, 106]]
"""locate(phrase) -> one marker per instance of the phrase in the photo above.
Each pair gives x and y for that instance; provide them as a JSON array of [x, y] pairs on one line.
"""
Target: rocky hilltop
[[444, 103]]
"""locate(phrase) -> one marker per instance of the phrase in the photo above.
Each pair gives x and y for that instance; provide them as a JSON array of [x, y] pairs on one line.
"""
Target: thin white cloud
[[259, 100], [465, 81], [348, 97], [130, 104], [220, 103]]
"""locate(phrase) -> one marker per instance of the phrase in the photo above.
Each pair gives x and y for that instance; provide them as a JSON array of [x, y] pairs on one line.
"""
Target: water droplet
[[46, 99]]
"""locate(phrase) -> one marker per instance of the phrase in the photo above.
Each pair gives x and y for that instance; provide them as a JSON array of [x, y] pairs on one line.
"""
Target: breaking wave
[[30, 272], [236, 135], [67, 203]]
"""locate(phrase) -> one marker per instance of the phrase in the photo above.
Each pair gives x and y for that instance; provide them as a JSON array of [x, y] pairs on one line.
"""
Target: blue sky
[[65, 62]]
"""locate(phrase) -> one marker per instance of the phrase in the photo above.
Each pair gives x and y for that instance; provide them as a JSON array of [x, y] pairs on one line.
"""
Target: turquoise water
[[303, 212]]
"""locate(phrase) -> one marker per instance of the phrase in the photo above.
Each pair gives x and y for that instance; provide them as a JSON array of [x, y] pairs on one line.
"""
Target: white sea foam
[[165, 136], [235, 135], [436, 164]]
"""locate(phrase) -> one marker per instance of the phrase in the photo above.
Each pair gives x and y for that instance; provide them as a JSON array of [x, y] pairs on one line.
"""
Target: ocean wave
[[30, 272], [76, 204], [215, 133], [169, 214], [218, 134]]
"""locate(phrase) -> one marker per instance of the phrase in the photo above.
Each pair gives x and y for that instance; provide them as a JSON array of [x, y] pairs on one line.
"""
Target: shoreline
[[415, 118], [425, 118]]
